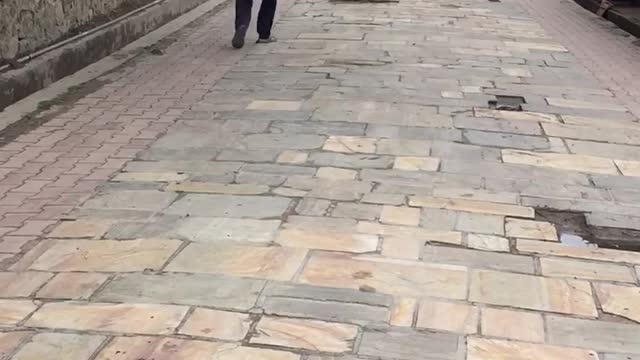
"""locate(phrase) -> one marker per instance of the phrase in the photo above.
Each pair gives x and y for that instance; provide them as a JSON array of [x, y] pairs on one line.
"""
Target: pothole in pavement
[[507, 102], [574, 231]]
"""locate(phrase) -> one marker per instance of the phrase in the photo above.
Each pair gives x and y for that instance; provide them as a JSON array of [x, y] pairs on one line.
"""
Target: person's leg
[[243, 19], [265, 18]]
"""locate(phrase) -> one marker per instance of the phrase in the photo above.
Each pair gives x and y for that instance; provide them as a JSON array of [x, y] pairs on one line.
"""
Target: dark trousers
[[265, 16]]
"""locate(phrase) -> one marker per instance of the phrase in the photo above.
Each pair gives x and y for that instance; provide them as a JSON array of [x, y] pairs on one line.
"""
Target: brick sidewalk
[[344, 193]]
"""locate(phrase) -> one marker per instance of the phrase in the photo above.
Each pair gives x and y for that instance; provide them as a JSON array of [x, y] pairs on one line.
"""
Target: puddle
[[574, 231]]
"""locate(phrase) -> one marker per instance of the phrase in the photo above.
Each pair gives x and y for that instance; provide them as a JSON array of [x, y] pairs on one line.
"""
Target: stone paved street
[[344, 193]]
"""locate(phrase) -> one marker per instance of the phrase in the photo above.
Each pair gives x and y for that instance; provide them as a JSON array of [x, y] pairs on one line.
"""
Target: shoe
[[238, 37], [268, 40]]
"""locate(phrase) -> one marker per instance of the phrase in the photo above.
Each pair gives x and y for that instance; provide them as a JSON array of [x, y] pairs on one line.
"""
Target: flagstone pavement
[[345, 193]]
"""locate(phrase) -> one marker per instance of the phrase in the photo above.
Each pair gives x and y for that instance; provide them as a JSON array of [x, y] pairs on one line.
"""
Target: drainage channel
[[574, 231]]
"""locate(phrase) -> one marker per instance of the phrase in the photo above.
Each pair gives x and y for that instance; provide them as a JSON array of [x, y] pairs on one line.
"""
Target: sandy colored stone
[[583, 163], [13, 311], [565, 296], [213, 188], [127, 318], [336, 173], [92, 229], [388, 276], [530, 229], [350, 144], [489, 349], [517, 72], [411, 163], [276, 263], [59, 346], [510, 324], [403, 311], [292, 157], [556, 249], [162, 348], [516, 115], [628, 167], [580, 104], [402, 248], [620, 300], [476, 194], [21, 284], [410, 233], [14, 244], [397, 215], [216, 324], [326, 239], [106, 255], [488, 242], [9, 341], [445, 316], [472, 206], [75, 286], [305, 334], [150, 177], [585, 270], [289, 192], [274, 105], [385, 199], [157, 348]]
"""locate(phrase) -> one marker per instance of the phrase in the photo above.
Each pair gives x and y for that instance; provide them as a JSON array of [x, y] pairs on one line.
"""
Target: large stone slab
[[10, 340], [21, 284], [139, 347], [326, 234], [395, 277], [556, 249], [305, 334], [471, 206], [276, 263], [594, 334], [477, 259], [411, 345], [216, 324], [59, 346], [532, 292], [106, 255], [355, 161], [127, 318], [581, 163], [446, 316], [585, 270], [133, 199], [14, 311], [489, 349], [257, 207], [510, 324], [620, 300], [186, 289]]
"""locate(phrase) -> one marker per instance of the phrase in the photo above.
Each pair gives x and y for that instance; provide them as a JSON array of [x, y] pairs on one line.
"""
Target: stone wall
[[28, 25]]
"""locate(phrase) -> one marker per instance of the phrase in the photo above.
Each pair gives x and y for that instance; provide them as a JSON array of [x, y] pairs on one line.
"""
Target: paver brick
[[14, 311], [410, 345], [452, 317], [223, 325], [21, 284], [514, 325], [60, 346], [485, 349], [598, 335], [74, 286]]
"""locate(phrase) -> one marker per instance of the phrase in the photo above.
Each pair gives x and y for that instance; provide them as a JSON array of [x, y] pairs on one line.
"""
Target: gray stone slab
[[186, 166], [277, 169], [621, 357], [196, 289], [503, 126], [613, 151], [209, 205], [411, 345], [343, 190], [193, 153], [356, 161], [260, 178], [511, 141], [266, 115], [414, 133], [613, 220], [283, 141], [313, 207], [319, 127], [298, 291], [357, 211], [262, 155], [148, 200], [326, 310], [478, 259], [594, 334], [613, 182]]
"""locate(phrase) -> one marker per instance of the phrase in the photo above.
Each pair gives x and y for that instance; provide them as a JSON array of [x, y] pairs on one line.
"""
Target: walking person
[[243, 19]]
